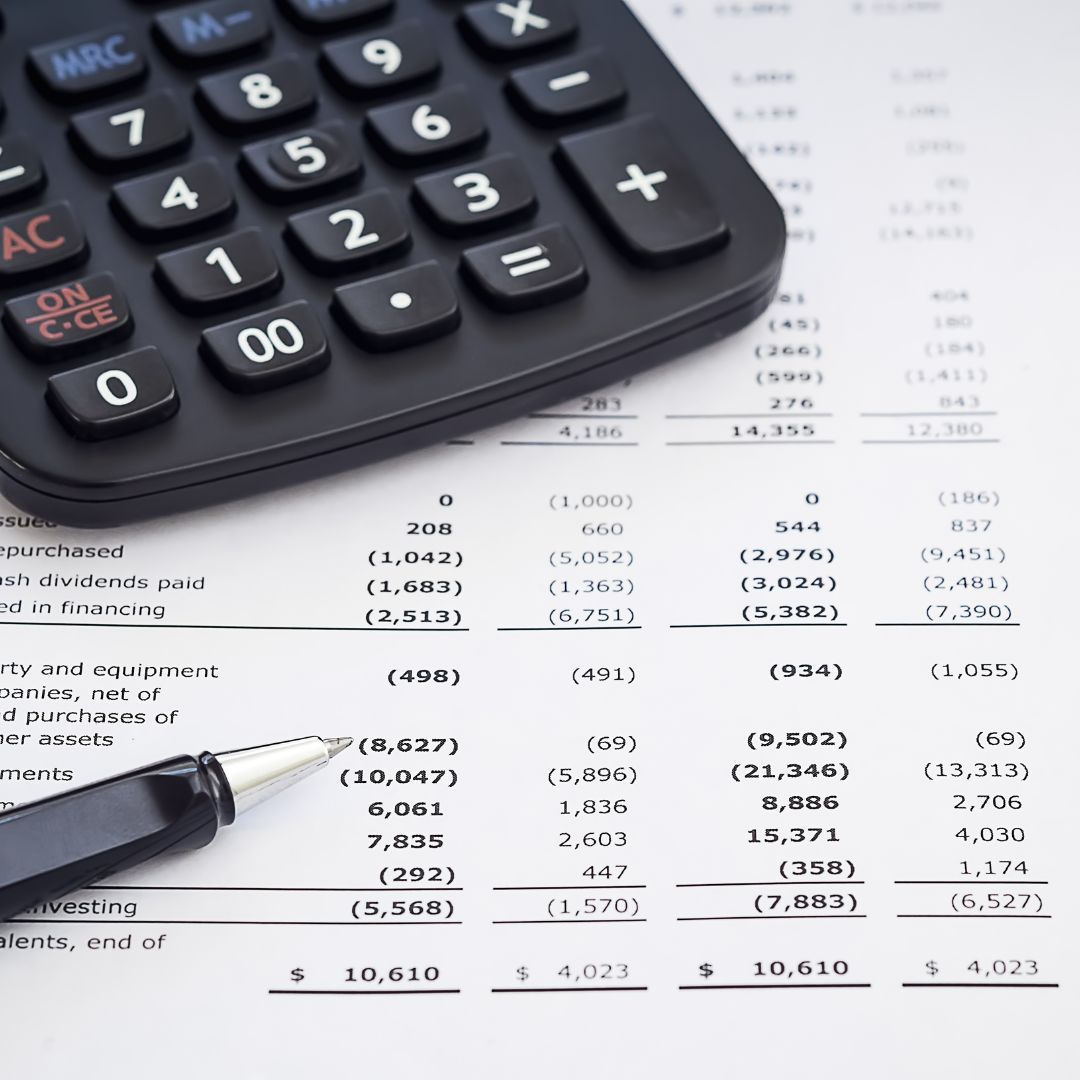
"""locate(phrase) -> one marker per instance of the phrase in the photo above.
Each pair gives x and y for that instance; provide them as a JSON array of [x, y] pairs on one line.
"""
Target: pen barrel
[[52, 847]]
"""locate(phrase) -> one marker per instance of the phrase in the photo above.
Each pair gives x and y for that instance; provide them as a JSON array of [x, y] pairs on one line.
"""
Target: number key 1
[[219, 273]]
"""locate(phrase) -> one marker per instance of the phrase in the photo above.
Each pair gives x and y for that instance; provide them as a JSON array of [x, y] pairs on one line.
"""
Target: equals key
[[57, 322]]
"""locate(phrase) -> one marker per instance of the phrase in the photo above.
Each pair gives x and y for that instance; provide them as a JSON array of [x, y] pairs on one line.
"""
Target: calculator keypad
[[440, 207]]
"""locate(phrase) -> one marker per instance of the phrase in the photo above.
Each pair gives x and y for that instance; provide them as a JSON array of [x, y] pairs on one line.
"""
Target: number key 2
[[349, 234]]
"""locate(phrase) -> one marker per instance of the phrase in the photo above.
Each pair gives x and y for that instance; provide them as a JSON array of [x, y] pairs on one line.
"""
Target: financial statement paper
[[721, 721]]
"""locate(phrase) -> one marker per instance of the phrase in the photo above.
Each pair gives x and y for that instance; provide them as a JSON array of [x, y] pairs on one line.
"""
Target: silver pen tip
[[335, 746]]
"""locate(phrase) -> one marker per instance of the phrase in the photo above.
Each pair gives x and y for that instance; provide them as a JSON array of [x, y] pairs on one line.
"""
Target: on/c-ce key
[[43, 239]]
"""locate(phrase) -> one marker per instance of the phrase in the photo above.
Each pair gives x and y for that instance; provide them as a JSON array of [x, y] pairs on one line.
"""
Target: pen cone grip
[[51, 847]]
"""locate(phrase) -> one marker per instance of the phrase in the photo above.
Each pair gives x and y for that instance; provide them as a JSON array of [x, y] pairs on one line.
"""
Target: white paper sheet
[[635, 876]]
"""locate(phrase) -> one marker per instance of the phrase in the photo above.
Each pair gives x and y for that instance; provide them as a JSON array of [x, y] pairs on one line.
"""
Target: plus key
[[646, 193]]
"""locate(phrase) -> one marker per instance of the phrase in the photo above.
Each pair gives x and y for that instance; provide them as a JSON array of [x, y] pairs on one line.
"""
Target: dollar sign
[[297, 975], [706, 971], [522, 973], [932, 967]]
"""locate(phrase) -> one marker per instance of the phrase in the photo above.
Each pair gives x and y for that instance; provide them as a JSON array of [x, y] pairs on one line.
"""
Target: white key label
[[526, 261], [639, 180], [522, 17]]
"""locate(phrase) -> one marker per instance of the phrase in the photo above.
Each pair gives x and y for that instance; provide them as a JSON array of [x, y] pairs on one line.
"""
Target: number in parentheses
[[478, 190]]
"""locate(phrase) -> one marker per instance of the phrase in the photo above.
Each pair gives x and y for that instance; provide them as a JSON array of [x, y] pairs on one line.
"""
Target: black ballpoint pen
[[53, 846]]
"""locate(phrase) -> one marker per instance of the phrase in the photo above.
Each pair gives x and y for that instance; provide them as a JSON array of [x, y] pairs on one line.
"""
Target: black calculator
[[244, 243]]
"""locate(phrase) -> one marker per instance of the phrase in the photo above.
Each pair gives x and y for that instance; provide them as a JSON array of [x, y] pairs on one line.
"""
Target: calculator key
[[21, 170], [303, 163], [250, 98], [331, 14], [527, 270], [517, 26], [219, 273], [349, 234], [645, 191], [114, 397], [203, 33], [93, 63], [375, 63], [444, 123], [148, 127], [176, 201], [568, 89], [44, 239], [260, 352], [64, 319], [478, 196], [406, 307]]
